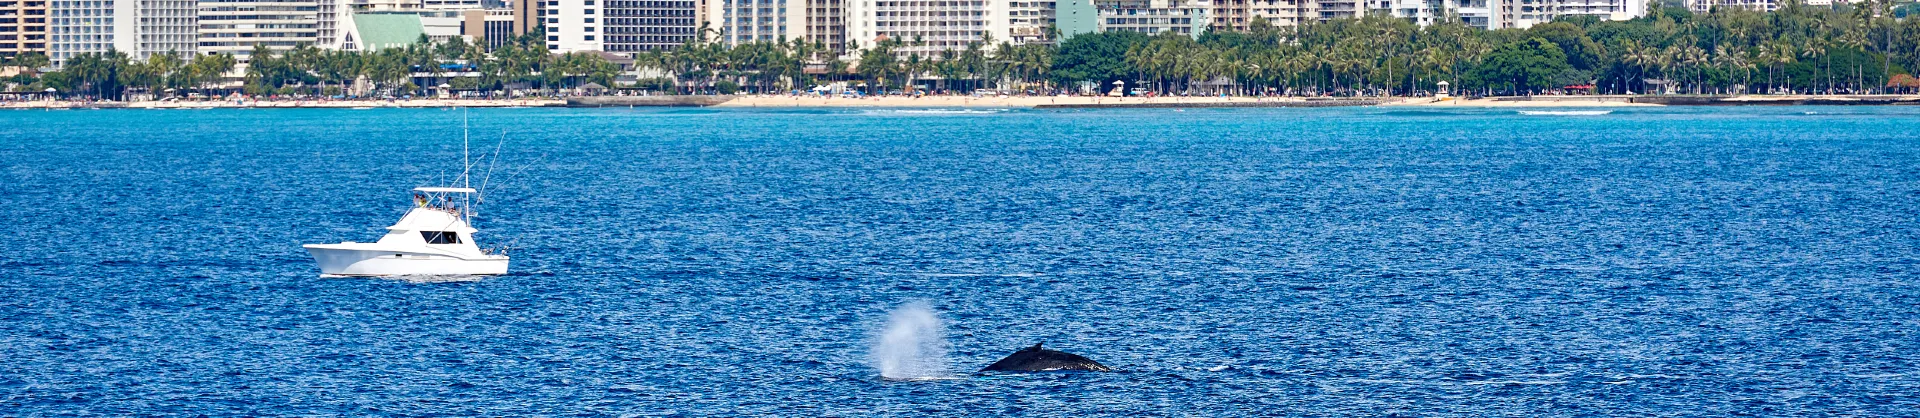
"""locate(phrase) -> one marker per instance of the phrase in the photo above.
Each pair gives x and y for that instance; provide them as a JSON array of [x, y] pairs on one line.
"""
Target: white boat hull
[[372, 262]]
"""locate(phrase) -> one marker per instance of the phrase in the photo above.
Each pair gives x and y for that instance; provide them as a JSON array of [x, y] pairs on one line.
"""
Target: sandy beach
[[981, 101], [1095, 101], [786, 101]]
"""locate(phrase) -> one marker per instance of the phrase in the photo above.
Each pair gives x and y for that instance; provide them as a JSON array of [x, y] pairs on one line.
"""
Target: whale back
[[1036, 359]]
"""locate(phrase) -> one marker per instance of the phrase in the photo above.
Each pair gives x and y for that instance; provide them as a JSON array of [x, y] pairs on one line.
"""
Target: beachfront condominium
[[632, 27], [743, 21], [735, 22], [1474, 13], [139, 28], [1522, 14], [1188, 17], [489, 28], [23, 27], [236, 26], [1703, 6], [1282, 12], [1028, 21], [826, 22], [1482, 14], [625, 27], [928, 27]]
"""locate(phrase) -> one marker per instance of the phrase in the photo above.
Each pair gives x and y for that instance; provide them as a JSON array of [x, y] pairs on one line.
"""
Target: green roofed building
[[377, 31]]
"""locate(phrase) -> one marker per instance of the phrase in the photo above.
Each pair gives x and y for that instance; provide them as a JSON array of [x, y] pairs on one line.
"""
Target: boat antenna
[[466, 160], [466, 167], [488, 178]]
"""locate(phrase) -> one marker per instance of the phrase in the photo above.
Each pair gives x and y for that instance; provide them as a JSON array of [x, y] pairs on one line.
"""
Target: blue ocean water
[[1246, 262]]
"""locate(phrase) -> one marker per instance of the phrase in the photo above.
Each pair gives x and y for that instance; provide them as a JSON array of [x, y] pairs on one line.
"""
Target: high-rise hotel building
[[139, 28], [23, 27], [235, 26], [624, 27], [740, 21], [927, 27]]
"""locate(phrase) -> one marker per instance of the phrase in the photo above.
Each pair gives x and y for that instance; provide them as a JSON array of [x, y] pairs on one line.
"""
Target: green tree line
[[1845, 48]]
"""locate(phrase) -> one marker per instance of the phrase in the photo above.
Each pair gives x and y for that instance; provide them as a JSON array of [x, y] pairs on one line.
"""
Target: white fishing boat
[[434, 238]]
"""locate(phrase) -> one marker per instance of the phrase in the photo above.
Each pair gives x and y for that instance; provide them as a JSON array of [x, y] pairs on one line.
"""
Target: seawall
[[646, 101], [1260, 103]]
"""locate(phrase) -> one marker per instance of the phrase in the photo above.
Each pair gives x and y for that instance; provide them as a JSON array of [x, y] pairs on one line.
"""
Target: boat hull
[[369, 262]]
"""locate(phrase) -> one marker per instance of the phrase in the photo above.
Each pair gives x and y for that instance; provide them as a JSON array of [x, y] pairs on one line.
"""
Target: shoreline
[[1025, 102], [286, 104]]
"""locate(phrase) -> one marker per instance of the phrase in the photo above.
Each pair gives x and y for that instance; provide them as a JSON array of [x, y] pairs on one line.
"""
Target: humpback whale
[[1036, 359]]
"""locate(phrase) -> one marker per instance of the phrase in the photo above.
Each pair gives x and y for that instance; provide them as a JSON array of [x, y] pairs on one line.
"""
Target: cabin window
[[440, 237]]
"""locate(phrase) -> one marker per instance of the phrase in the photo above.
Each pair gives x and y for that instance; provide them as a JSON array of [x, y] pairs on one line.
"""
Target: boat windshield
[[440, 237]]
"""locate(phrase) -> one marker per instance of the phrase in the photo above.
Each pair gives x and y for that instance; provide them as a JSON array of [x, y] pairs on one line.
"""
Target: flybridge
[[444, 190]]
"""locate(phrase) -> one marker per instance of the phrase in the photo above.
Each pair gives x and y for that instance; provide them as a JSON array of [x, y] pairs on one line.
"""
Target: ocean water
[[1246, 262]]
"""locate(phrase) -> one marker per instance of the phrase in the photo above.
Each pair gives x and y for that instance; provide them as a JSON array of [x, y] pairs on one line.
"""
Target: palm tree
[[1855, 38], [1695, 61], [165, 67], [1816, 48], [203, 69], [1781, 54]]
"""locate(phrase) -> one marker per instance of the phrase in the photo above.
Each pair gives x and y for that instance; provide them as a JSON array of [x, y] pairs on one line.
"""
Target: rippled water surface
[[1360, 261]]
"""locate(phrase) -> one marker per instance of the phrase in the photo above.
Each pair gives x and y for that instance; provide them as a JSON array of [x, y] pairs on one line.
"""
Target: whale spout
[[1037, 359]]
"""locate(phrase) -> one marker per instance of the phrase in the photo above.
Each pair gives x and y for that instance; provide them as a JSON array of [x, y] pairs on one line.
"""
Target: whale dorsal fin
[[1035, 347]]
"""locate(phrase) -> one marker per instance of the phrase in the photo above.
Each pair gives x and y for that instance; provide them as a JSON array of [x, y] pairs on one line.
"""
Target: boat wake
[[418, 278], [1565, 112]]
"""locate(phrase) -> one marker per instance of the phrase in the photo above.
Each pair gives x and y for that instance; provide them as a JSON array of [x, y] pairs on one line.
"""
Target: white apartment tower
[[743, 21], [1475, 13], [235, 26], [1029, 20], [633, 26], [573, 25], [1284, 12], [928, 26], [626, 27], [139, 28], [1703, 6], [1189, 17], [1523, 14], [826, 22], [167, 25]]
